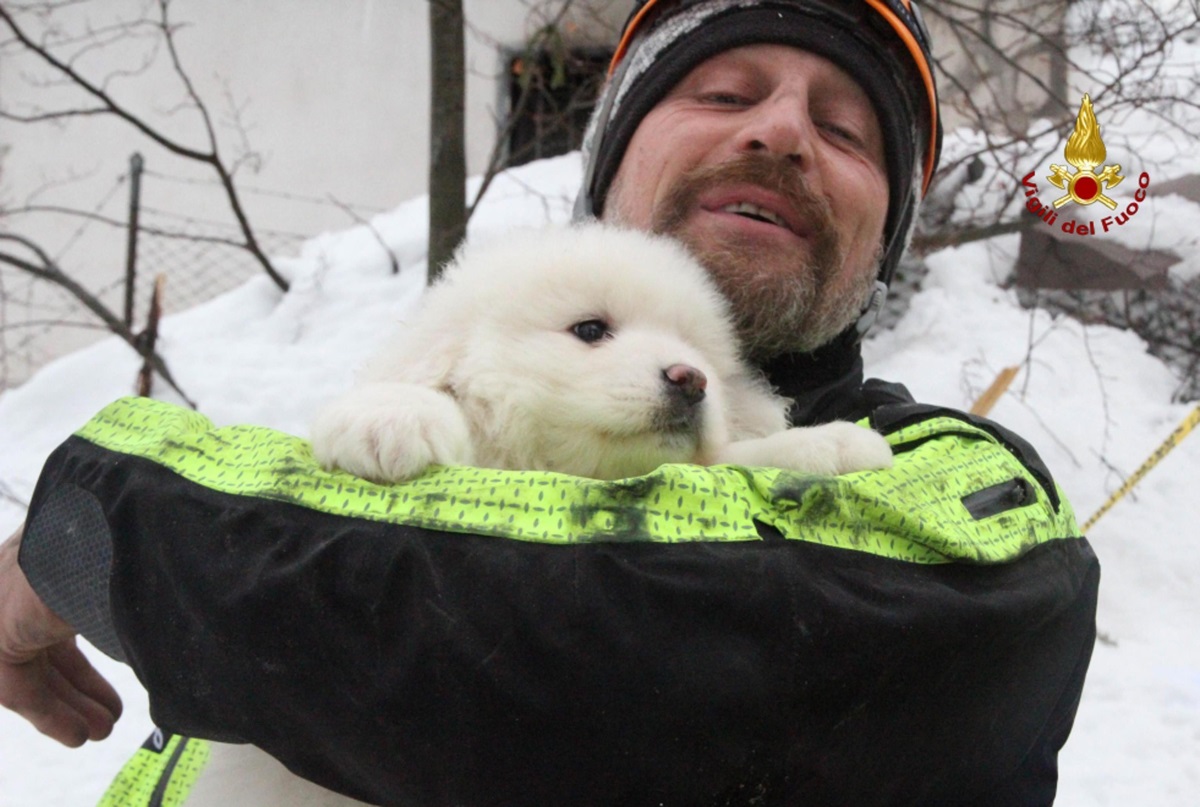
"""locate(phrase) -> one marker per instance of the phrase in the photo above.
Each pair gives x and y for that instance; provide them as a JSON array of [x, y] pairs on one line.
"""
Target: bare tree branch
[[46, 269], [1120, 48], [496, 161], [106, 101], [392, 259], [148, 229], [109, 105]]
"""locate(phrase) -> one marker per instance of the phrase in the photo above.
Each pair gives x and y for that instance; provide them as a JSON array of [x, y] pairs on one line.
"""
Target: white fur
[[488, 372]]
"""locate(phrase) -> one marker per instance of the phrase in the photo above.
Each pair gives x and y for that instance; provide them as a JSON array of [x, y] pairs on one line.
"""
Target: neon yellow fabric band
[[912, 512], [161, 774]]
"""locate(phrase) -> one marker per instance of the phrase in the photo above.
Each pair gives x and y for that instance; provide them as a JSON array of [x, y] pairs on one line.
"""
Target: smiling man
[[917, 637], [768, 163], [787, 144]]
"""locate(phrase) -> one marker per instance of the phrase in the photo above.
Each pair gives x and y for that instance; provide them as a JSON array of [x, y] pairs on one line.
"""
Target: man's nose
[[780, 126]]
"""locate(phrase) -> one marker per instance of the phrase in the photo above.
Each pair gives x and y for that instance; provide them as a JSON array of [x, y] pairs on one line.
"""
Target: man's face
[[767, 162]]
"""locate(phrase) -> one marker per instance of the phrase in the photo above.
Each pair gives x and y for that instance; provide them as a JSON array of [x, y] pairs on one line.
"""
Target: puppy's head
[[588, 350]]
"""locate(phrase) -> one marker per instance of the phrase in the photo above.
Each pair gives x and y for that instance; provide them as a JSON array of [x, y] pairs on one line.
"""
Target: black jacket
[[406, 665]]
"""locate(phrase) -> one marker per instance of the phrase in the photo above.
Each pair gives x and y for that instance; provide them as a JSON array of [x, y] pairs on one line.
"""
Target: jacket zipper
[[999, 498]]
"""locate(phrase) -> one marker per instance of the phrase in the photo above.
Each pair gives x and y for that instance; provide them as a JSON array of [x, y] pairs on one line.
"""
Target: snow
[[1090, 398]]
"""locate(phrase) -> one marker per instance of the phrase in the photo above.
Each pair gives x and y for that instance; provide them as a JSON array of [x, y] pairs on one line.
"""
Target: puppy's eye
[[591, 330]]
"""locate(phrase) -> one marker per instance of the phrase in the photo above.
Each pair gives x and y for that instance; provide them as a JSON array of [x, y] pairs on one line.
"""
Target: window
[[551, 94]]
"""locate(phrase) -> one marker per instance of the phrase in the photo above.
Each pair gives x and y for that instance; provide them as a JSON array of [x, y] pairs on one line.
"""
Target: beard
[[789, 301]]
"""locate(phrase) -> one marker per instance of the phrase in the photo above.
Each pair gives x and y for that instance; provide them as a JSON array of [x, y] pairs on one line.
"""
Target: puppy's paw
[[391, 432], [850, 447], [831, 449]]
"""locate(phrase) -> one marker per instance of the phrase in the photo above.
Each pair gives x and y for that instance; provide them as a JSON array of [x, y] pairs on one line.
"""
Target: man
[[787, 143]]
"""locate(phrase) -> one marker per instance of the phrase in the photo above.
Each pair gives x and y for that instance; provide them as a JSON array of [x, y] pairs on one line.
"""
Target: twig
[[49, 271], [148, 339], [395, 262], [108, 103], [497, 158]]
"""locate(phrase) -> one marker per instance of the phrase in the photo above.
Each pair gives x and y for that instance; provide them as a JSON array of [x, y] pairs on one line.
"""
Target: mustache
[[774, 173], [778, 306]]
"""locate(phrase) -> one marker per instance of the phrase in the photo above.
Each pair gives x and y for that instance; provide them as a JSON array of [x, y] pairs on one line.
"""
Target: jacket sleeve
[[404, 662]]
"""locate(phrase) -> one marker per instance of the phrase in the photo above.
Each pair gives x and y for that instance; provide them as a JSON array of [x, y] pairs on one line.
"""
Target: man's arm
[[43, 675], [409, 660]]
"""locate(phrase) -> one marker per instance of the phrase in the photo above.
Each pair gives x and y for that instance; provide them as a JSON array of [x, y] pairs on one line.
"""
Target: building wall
[[332, 98], [1002, 61]]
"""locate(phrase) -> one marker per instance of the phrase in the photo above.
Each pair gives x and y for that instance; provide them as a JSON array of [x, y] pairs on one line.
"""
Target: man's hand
[[43, 675]]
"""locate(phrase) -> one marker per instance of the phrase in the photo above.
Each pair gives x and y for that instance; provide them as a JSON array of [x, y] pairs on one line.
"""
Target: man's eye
[[725, 99], [842, 133], [591, 330]]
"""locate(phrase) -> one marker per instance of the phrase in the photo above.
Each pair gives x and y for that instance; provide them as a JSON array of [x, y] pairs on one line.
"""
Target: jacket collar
[[825, 385]]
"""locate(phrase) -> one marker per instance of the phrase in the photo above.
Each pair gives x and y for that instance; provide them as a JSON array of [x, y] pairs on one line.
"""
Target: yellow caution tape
[[1175, 438]]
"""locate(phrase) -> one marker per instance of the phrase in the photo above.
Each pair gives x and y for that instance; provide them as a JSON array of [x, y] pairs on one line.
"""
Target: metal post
[[135, 190]]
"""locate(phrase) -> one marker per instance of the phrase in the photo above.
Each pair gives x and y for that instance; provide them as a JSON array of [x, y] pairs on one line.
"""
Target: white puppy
[[586, 350]]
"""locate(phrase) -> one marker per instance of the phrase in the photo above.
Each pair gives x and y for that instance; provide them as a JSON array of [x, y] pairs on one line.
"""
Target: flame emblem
[[1085, 150]]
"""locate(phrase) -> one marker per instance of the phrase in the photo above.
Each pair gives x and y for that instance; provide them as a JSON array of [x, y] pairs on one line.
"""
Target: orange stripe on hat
[[914, 49], [627, 36]]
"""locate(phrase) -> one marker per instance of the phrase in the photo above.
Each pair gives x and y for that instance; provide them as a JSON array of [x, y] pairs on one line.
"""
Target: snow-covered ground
[[1090, 398]]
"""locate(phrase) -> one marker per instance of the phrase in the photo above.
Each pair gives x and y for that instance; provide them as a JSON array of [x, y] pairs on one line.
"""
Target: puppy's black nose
[[686, 382]]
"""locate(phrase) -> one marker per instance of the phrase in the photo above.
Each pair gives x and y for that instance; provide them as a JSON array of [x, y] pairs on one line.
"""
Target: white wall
[[334, 97]]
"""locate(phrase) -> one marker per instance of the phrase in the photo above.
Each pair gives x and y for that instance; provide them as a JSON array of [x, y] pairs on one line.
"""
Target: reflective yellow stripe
[[161, 774], [912, 512]]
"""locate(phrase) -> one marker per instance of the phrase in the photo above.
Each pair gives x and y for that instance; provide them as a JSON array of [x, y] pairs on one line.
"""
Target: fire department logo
[[1085, 150]]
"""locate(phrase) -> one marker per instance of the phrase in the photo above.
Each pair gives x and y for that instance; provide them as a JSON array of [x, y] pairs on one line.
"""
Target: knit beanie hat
[[882, 44]]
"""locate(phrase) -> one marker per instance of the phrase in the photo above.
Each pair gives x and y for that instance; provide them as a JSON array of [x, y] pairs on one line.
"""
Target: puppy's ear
[[427, 348]]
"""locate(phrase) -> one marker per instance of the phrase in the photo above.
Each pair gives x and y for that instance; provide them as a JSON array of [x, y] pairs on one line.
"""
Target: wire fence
[[200, 259], [197, 263]]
